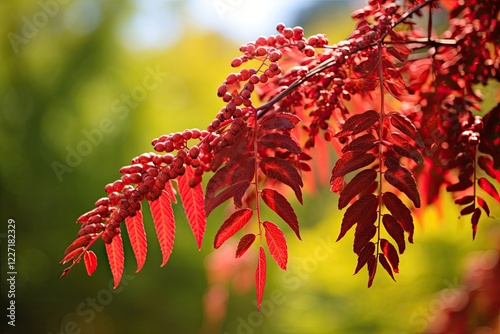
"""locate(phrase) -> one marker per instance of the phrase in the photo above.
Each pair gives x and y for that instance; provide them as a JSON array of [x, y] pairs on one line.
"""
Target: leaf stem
[[380, 145]]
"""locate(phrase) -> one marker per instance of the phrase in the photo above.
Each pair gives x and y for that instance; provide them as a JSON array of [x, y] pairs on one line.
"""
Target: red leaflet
[[464, 200], [116, 259], [356, 186], [486, 164], [386, 265], [459, 186], [372, 269], [193, 203], [361, 144], [403, 148], [357, 212], [402, 179], [358, 123], [274, 140], [164, 221], [279, 204], [74, 253], [82, 241], [474, 221], [236, 190], [402, 123], [90, 260], [349, 162], [400, 212], [169, 188], [245, 242], [233, 224], [137, 236], [489, 188], [260, 276], [365, 231], [391, 254], [276, 243], [468, 210], [482, 203], [365, 254], [283, 171], [395, 231], [280, 121]]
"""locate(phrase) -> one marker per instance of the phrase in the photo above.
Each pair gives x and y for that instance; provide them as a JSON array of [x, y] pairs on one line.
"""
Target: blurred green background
[[103, 78]]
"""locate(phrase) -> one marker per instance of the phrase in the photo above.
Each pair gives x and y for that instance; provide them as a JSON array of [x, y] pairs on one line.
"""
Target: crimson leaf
[[274, 140], [356, 212], [283, 171], [245, 242], [400, 212], [356, 186], [279, 204], [276, 243], [233, 224], [402, 179]]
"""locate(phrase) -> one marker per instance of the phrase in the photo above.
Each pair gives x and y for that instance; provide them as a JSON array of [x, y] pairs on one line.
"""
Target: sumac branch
[[399, 103]]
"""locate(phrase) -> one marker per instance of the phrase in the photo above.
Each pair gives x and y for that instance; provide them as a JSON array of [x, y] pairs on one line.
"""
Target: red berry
[[280, 27], [236, 62], [275, 56], [232, 78], [288, 33]]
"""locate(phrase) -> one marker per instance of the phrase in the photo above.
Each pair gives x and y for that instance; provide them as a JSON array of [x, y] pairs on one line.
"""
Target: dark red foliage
[[396, 101]]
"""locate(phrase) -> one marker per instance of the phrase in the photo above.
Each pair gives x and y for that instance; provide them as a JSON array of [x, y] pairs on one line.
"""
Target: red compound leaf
[[90, 260], [137, 236], [279, 204], [116, 259], [260, 276], [283, 171], [489, 188], [164, 222], [276, 243], [72, 255], [245, 242], [233, 224], [372, 269], [193, 203]]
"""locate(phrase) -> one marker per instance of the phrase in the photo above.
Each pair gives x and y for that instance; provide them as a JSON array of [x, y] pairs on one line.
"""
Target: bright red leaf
[[90, 260], [283, 171], [245, 242], [260, 276], [164, 222], [137, 236], [489, 188], [279, 204], [276, 243], [194, 205], [233, 224], [116, 259]]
